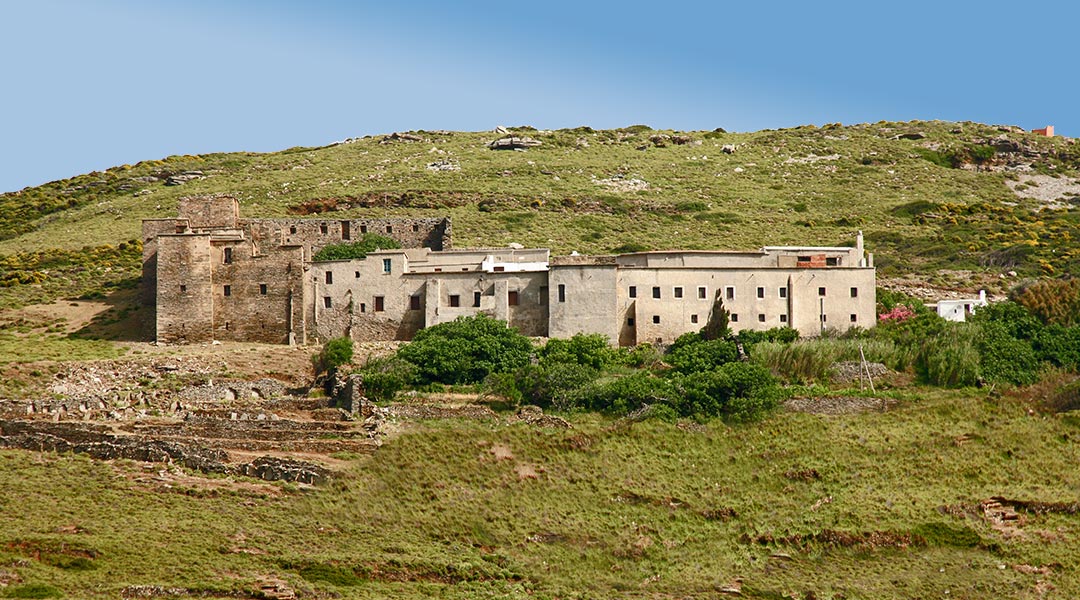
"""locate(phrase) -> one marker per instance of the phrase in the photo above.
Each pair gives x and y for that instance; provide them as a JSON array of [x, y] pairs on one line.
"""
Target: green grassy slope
[[800, 506], [581, 190]]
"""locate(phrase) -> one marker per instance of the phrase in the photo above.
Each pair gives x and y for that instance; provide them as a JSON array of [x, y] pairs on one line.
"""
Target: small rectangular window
[[761, 292], [702, 292], [562, 292], [783, 292], [414, 302], [292, 229], [380, 305], [327, 302], [761, 318], [729, 293], [183, 288], [227, 290], [632, 291], [734, 317], [630, 322], [329, 277], [678, 292], [804, 259], [262, 289], [693, 318], [854, 318], [363, 307], [512, 298], [656, 292], [821, 291], [415, 228], [323, 229], [499, 269], [228, 256], [389, 229], [357, 274], [455, 300], [386, 262], [783, 318], [363, 229], [832, 261], [854, 292], [476, 299], [656, 318], [345, 233]]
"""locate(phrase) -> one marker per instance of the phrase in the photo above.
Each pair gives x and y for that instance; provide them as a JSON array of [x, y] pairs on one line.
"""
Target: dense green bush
[[466, 350], [384, 377], [783, 335], [590, 350], [1004, 358], [737, 391], [623, 395], [369, 242], [552, 384], [691, 354], [1016, 320], [336, 352], [1059, 346]]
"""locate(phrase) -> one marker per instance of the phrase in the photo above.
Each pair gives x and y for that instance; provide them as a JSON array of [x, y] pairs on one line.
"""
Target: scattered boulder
[[401, 137], [443, 165], [182, 178], [514, 142], [534, 415], [911, 135], [729, 148]]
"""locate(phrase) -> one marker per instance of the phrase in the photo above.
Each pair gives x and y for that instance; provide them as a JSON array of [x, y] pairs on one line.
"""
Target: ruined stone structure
[[215, 276], [211, 275]]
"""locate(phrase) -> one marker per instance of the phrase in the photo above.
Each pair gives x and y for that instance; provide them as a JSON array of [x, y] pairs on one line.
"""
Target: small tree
[[717, 327], [466, 350], [336, 352]]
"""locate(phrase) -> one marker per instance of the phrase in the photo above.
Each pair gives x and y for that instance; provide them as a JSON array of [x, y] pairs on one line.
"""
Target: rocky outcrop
[[513, 142]]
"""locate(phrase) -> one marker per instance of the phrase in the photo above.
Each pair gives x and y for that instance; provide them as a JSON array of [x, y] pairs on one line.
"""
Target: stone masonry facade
[[214, 276]]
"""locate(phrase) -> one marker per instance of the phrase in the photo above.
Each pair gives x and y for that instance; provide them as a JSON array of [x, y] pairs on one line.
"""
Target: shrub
[[369, 242], [783, 335], [623, 395], [1053, 301], [32, 590], [336, 352], [642, 356], [385, 377], [690, 354], [1059, 345], [736, 391], [466, 350], [1017, 321], [554, 384], [591, 350], [1004, 358], [804, 361]]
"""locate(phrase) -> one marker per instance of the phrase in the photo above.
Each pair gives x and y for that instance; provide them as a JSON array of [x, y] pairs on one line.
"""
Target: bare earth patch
[[1053, 192]]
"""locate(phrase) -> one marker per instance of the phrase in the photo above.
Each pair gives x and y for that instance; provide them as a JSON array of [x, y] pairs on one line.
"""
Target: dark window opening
[[734, 318], [730, 293], [804, 259], [389, 229], [329, 277], [357, 273], [414, 302], [678, 292], [415, 228], [562, 292], [323, 229], [292, 229], [183, 288], [327, 302], [262, 289], [656, 292], [854, 318], [824, 318], [783, 292], [761, 318], [380, 305], [227, 326], [227, 290], [832, 261], [228, 256], [476, 299], [455, 300], [855, 292], [761, 292], [499, 269], [783, 318], [345, 234], [512, 298], [386, 265], [363, 307], [363, 229], [656, 318], [821, 291], [693, 318], [630, 322], [701, 293], [633, 291]]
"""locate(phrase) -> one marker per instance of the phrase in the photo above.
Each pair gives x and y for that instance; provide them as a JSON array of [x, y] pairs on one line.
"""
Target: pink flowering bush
[[898, 314]]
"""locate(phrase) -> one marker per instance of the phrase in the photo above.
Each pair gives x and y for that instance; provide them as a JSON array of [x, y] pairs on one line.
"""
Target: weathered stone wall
[[314, 234], [205, 212], [265, 290], [587, 304], [185, 299]]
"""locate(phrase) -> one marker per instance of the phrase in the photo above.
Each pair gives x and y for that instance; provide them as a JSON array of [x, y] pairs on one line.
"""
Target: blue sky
[[87, 85]]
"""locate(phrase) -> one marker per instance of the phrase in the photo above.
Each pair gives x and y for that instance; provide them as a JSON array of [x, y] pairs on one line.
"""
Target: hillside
[[953, 204]]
